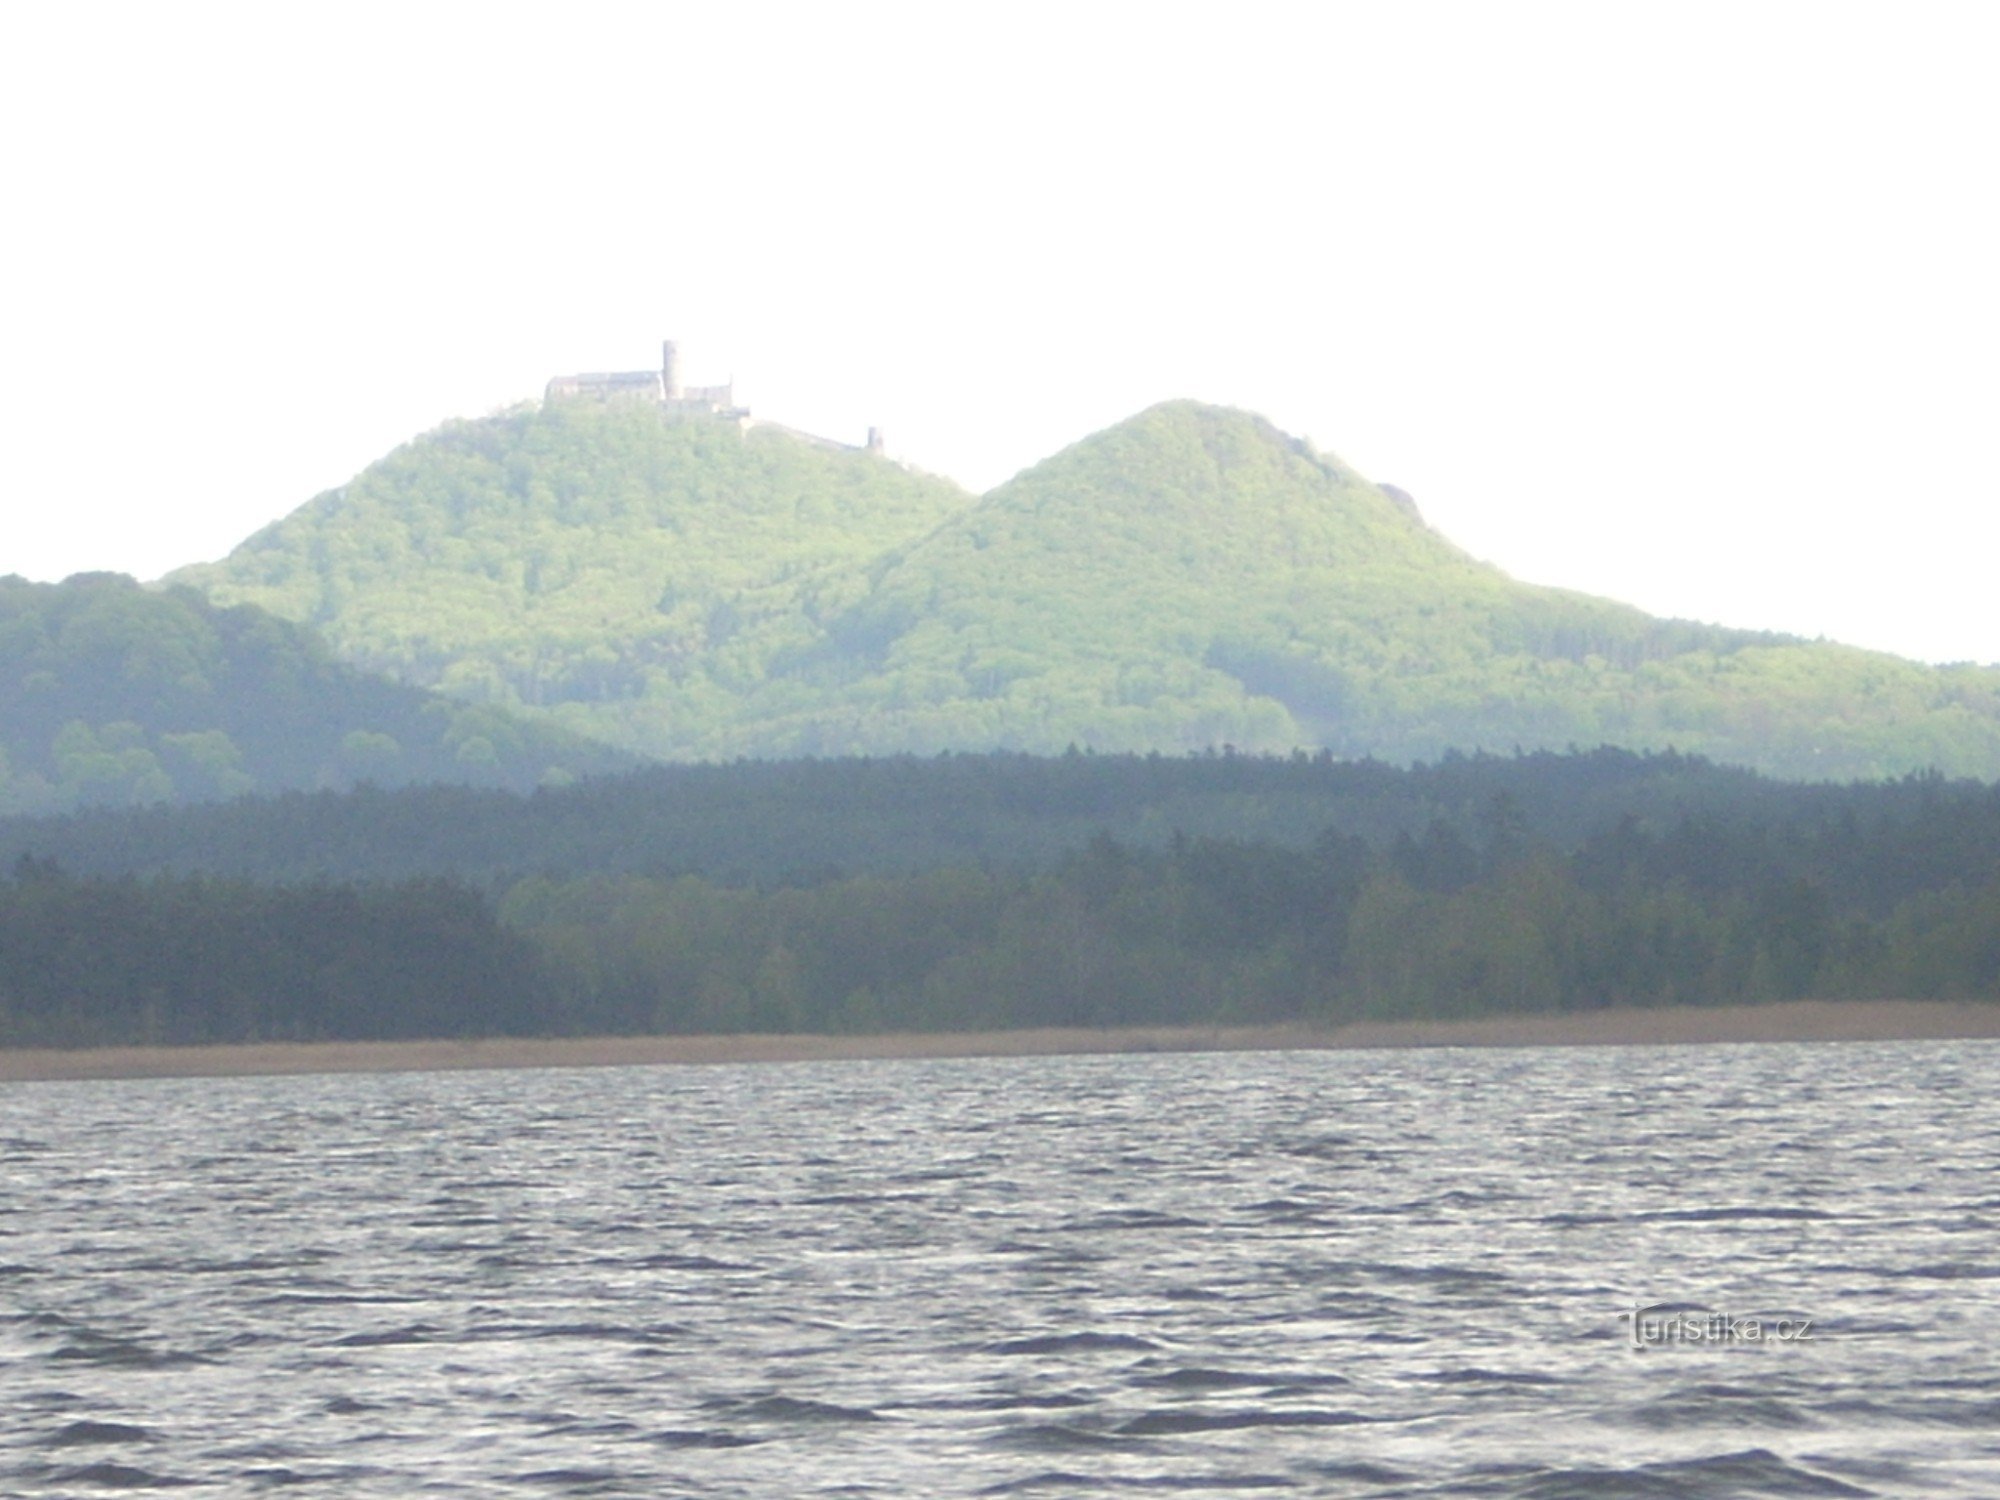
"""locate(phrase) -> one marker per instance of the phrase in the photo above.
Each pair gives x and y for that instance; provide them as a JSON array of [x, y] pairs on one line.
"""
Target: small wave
[[1362, 1472], [1946, 1270], [1475, 1376], [100, 1349], [1176, 1420], [1063, 1343], [278, 1475], [123, 1477], [458, 1247], [585, 1480], [1063, 1481], [679, 1437], [1427, 1275], [1727, 1215], [615, 1333], [238, 1267], [87, 1433], [501, 1260], [1915, 1411], [1324, 1147], [1208, 1378], [1717, 1406], [1200, 1378], [1065, 1255], [1129, 1218], [793, 1409], [412, 1333], [568, 1424], [1753, 1472], [1010, 1401], [1287, 1211], [685, 1263], [1058, 1437]]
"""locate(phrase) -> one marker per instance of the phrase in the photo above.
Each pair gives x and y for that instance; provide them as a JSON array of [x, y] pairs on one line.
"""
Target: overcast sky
[[1691, 305]]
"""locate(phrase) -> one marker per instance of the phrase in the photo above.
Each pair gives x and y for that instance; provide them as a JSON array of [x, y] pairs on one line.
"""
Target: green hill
[[1190, 577], [632, 576], [115, 695], [1194, 576]]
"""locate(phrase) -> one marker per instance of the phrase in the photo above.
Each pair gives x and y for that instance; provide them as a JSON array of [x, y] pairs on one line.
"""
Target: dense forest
[[1190, 578], [1213, 932], [192, 960], [116, 695], [1078, 890], [798, 822]]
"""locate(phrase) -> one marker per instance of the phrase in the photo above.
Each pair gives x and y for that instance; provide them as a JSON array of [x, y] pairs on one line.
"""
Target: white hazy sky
[[1689, 304]]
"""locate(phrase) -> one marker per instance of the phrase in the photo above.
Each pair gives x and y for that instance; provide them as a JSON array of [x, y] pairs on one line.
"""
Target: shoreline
[[1784, 1021]]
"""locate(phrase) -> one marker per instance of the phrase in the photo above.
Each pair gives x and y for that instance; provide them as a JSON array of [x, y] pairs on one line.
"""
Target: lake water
[[1327, 1274]]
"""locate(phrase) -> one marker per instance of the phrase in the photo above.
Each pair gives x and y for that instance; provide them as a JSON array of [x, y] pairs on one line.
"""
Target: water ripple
[[1370, 1275]]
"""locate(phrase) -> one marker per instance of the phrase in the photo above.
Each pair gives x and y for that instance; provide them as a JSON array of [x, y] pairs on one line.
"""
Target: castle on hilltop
[[662, 388]]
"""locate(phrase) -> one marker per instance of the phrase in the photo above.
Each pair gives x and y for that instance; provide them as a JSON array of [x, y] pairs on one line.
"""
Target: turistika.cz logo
[[1661, 1325]]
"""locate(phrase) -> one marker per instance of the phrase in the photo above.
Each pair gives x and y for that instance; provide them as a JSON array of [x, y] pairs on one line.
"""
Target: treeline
[[1204, 932], [998, 891], [1213, 931], [802, 822], [193, 960]]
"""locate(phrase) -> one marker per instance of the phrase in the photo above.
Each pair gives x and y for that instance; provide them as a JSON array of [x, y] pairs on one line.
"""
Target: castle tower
[[875, 444], [670, 371]]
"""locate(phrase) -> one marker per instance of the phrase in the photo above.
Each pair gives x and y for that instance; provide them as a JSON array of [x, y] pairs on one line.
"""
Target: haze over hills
[[1191, 577], [114, 695]]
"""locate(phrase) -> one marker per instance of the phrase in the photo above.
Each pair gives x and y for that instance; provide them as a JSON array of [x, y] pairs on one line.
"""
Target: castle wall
[[628, 385], [710, 395]]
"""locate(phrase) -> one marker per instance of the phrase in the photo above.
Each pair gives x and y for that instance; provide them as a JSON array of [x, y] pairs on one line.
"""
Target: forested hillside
[[632, 577], [768, 823], [1188, 579], [1234, 889], [114, 695]]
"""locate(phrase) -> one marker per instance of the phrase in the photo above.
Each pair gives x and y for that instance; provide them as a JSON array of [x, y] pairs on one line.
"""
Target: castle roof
[[615, 377]]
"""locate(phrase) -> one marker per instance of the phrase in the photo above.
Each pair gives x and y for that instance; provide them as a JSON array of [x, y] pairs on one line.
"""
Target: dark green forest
[[1190, 578], [1218, 932], [998, 891], [195, 960], [800, 822], [116, 695]]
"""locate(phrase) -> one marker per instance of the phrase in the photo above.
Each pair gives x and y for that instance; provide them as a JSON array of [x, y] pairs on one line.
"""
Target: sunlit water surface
[[1379, 1274]]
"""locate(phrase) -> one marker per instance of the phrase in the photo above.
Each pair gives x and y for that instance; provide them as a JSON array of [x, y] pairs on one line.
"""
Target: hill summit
[[1189, 578]]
